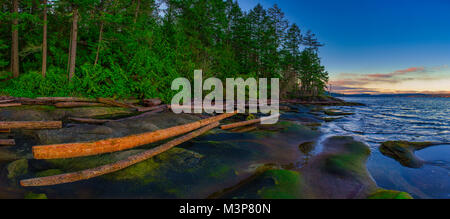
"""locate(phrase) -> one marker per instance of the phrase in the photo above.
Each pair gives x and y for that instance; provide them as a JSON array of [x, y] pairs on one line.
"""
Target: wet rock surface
[[404, 152], [266, 161], [337, 172]]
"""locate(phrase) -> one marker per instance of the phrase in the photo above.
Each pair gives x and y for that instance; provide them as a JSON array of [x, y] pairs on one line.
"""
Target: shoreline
[[286, 162]]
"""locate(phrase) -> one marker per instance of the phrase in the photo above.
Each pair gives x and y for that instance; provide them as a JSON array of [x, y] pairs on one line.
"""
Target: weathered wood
[[245, 129], [31, 125], [7, 142], [245, 123], [152, 102], [30, 101], [119, 144], [119, 165], [66, 99], [240, 124], [78, 104], [6, 101], [90, 121], [10, 105], [115, 103]]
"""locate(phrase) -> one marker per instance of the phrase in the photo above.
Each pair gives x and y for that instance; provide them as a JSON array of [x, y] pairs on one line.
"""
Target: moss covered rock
[[339, 171], [17, 168], [403, 152], [307, 147], [50, 172], [389, 194], [286, 185], [31, 195]]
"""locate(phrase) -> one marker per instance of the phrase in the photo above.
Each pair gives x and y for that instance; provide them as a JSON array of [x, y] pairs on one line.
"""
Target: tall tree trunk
[[15, 40], [99, 43], [73, 49], [136, 13], [70, 49], [44, 42]]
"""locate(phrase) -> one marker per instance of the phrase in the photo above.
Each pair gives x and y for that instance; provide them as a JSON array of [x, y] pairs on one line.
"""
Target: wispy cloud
[[396, 81]]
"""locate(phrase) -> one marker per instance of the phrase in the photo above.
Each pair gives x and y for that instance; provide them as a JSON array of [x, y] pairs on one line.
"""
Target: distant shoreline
[[391, 95]]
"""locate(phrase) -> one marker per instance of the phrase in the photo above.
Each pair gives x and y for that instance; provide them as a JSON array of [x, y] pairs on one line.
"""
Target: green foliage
[[141, 50], [389, 194]]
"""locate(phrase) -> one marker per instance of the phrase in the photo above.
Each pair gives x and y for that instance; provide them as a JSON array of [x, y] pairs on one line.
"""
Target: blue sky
[[367, 41]]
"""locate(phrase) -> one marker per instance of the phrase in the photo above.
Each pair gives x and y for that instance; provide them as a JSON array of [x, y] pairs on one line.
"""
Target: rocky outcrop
[[403, 152]]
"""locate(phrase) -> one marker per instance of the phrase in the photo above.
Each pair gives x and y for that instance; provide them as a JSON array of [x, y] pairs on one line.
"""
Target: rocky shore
[[261, 161]]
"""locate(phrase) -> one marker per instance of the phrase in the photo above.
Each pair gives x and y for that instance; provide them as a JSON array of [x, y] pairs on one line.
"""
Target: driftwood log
[[6, 101], [109, 168], [78, 104], [115, 103], [103, 121], [31, 125], [152, 102], [119, 144], [7, 142], [246, 123], [65, 99], [10, 104]]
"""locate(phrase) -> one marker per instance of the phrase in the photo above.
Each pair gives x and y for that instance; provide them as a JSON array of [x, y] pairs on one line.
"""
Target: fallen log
[[245, 129], [119, 144], [78, 104], [30, 101], [7, 142], [119, 165], [7, 101], [31, 125], [152, 102], [115, 103], [66, 99], [246, 123], [90, 121], [10, 105]]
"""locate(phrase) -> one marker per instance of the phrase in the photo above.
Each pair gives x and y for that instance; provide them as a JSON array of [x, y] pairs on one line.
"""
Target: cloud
[[398, 72], [420, 77]]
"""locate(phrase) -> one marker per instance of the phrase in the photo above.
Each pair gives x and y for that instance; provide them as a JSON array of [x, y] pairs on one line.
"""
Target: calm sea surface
[[409, 119]]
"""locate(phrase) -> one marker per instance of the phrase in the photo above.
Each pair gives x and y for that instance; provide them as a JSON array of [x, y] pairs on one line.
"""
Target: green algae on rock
[[31, 195], [286, 185], [403, 152], [17, 168], [51, 172], [339, 171], [389, 194]]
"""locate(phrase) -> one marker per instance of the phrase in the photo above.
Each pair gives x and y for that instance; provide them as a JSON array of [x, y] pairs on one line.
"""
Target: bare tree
[[44, 41], [15, 40], [73, 44]]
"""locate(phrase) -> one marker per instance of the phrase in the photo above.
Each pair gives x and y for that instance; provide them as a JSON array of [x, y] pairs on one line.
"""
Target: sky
[[377, 46]]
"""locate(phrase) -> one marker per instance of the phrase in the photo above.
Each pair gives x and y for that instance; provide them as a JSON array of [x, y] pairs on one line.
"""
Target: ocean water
[[410, 119]]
